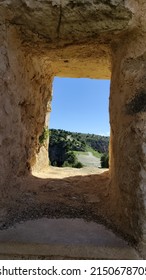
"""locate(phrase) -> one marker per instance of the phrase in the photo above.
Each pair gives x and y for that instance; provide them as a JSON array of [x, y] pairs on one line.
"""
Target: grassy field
[[89, 149], [95, 153], [80, 153]]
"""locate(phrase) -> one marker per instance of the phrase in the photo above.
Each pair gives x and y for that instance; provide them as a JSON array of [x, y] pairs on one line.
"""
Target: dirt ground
[[57, 192], [60, 193]]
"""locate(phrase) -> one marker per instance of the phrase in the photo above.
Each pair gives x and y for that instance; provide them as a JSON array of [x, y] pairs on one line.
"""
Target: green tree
[[70, 157], [105, 161]]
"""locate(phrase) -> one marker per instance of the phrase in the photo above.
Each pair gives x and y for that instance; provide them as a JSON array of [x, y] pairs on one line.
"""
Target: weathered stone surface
[[66, 20], [45, 26], [87, 38], [25, 83]]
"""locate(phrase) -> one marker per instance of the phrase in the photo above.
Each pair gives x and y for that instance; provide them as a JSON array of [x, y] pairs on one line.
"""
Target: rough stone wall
[[69, 32], [38, 41], [25, 91], [128, 126]]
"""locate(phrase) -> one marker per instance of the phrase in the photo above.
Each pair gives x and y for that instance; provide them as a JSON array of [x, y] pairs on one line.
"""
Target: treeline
[[96, 142], [62, 144]]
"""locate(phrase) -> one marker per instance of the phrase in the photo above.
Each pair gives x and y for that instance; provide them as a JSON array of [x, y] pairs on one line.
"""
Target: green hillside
[[63, 146]]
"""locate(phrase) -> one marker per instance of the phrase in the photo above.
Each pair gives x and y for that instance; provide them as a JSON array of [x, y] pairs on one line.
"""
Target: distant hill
[[62, 145]]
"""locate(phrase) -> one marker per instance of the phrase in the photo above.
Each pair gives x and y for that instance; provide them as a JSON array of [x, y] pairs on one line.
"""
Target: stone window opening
[[79, 106]]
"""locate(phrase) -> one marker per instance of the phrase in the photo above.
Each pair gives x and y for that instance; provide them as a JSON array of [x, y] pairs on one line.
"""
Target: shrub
[[105, 161], [66, 164], [78, 165], [44, 136], [70, 157]]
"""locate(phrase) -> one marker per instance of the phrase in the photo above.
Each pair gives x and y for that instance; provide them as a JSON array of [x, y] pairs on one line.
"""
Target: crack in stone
[[59, 21]]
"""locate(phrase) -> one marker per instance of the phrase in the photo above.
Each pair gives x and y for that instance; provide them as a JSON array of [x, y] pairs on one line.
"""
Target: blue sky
[[81, 105]]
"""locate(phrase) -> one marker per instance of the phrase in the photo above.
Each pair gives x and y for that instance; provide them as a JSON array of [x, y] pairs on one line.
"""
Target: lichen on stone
[[44, 136], [137, 104]]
